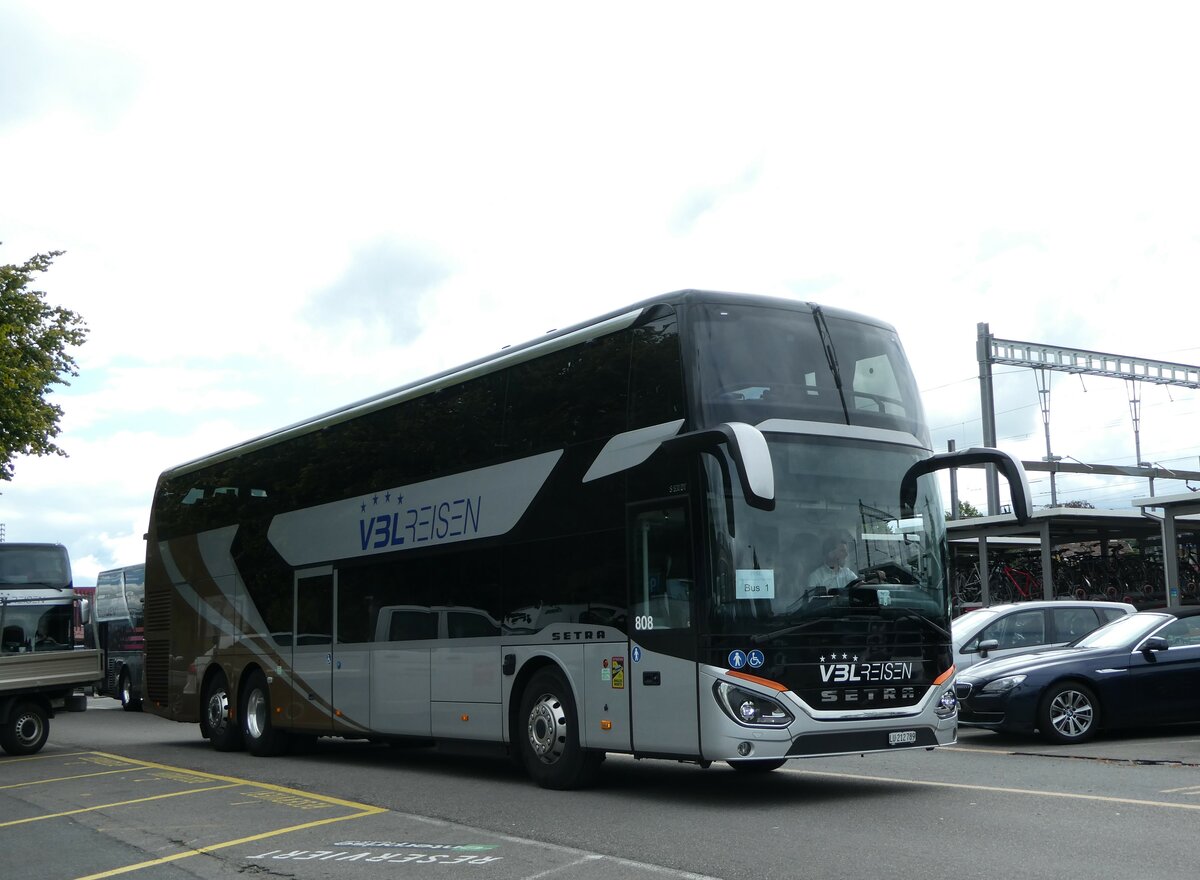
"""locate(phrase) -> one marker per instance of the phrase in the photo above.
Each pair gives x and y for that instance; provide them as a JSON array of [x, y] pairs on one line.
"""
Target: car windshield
[[1123, 631], [964, 625], [34, 626]]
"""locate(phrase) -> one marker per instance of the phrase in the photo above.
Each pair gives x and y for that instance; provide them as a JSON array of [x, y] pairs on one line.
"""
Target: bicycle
[[1006, 583], [1009, 584], [966, 585]]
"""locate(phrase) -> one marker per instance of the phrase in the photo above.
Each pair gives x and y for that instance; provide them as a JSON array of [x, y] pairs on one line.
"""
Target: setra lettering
[[577, 635], [869, 695]]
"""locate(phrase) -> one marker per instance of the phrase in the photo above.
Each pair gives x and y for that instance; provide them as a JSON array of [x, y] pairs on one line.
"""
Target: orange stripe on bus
[[765, 682], [945, 676]]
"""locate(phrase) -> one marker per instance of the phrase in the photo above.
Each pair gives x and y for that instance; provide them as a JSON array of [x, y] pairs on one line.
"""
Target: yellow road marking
[[370, 811], [116, 804], [362, 810], [44, 757], [69, 778], [216, 777]]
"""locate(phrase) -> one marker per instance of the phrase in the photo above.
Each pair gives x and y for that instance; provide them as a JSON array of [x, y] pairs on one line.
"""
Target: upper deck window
[[756, 363]]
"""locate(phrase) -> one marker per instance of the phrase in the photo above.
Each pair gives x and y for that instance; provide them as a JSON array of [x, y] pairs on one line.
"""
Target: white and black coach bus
[[118, 632], [609, 539]]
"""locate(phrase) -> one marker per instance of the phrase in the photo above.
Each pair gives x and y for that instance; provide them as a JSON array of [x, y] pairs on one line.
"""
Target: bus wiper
[[766, 638], [931, 623], [831, 357]]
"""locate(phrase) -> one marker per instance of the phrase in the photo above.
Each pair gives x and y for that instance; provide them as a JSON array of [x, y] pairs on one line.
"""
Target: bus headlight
[[750, 709], [947, 705]]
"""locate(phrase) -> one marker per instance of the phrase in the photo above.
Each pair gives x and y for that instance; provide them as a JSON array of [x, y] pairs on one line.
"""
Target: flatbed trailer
[[35, 686]]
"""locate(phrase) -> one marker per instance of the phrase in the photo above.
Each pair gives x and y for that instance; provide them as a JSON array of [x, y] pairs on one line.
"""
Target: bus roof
[[552, 340]]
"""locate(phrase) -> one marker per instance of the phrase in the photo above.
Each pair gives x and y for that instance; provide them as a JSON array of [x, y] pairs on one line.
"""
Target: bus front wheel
[[25, 730], [261, 735], [215, 722], [129, 702], [548, 738]]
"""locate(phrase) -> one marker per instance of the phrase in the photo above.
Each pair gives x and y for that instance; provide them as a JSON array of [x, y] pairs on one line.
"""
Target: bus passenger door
[[351, 662], [312, 651], [662, 657]]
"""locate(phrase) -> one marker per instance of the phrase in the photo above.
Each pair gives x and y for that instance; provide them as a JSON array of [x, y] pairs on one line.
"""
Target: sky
[[269, 210]]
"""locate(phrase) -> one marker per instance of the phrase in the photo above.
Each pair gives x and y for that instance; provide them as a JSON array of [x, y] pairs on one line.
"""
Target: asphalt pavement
[[1175, 745]]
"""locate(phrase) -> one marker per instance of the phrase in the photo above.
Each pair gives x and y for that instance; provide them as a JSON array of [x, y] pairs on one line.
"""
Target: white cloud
[[515, 170]]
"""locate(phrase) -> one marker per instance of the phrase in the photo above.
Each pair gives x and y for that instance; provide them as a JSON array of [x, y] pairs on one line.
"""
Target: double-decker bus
[[608, 539], [117, 631]]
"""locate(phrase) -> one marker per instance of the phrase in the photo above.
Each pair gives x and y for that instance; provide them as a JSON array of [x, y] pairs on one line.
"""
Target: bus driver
[[832, 573]]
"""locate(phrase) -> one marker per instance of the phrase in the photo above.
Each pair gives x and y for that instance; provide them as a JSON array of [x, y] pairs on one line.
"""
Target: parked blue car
[[1140, 670]]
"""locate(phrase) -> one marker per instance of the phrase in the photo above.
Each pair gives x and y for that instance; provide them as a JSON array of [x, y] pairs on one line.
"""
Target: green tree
[[966, 510], [33, 357]]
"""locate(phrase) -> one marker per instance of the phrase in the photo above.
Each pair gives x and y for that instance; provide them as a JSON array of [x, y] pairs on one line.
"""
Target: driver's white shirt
[[831, 578]]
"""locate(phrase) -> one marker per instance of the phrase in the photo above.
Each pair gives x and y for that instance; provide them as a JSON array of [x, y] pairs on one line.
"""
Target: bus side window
[[662, 576]]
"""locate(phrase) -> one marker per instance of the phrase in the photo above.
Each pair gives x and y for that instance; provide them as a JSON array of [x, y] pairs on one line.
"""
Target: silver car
[[1020, 627]]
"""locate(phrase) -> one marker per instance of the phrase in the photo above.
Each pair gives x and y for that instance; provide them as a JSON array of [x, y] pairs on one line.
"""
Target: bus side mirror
[[85, 612], [1008, 465], [747, 448]]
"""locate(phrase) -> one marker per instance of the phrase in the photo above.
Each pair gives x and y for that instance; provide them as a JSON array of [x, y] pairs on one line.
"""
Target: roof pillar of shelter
[[1174, 507]]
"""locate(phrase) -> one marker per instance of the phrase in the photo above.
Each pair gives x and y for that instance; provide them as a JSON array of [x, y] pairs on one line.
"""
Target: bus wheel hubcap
[[256, 713], [218, 709], [548, 729]]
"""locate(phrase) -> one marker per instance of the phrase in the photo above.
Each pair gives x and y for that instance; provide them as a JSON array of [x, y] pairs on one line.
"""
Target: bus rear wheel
[[25, 730], [129, 702], [215, 722], [259, 732], [548, 738]]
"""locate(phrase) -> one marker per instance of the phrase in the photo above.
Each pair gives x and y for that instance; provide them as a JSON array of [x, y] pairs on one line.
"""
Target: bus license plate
[[902, 737]]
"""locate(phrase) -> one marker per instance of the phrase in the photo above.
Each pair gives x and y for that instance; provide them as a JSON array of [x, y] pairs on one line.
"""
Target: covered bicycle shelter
[[1057, 526], [1179, 513]]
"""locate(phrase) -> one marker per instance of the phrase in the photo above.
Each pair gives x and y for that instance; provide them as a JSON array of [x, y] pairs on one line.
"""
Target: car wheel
[[259, 732], [216, 721], [1069, 713], [129, 702], [26, 729], [548, 735]]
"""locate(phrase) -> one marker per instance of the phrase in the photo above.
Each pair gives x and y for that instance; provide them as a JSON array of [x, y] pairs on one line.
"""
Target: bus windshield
[[34, 565], [120, 594], [834, 547], [757, 364]]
